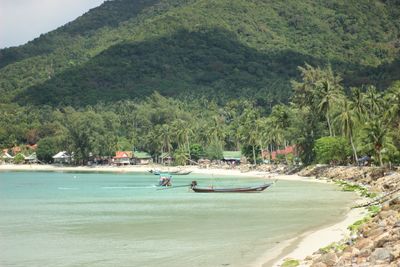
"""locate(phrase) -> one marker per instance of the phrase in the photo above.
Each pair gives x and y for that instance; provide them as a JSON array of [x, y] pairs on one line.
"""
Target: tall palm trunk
[[354, 148], [329, 125], [162, 151], [254, 155], [188, 144], [380, 157]]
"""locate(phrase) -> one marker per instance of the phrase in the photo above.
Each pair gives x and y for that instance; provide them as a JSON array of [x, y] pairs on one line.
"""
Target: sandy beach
[[306, 244], [296, 248]]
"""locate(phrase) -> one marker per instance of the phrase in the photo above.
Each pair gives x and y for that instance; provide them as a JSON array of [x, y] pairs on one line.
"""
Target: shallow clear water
[[98, 219]]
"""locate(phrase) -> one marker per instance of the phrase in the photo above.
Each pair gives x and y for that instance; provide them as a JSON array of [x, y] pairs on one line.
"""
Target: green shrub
[[290, 263], [332, 150], [19, 158]]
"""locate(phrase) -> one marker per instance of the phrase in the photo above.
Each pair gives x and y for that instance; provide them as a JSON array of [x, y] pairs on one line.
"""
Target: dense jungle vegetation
[[326, 124], [127, 49], [197, 77]]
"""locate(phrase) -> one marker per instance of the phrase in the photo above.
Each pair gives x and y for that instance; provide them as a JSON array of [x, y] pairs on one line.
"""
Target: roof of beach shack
[[123, 154], [61, 155], [141, 155], [232, 155], [7, 156], [31, 156]]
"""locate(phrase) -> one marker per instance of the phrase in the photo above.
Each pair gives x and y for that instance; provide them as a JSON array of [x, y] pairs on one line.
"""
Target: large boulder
[[364, 243], [380, 255], [319, 264], [329, 259]]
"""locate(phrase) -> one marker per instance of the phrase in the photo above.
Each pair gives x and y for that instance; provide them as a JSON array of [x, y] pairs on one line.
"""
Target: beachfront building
[[165, 158], [32, 158], [62, 157], [142, 158], [5, 157], [122, 158], [274, 155], [232, 157]]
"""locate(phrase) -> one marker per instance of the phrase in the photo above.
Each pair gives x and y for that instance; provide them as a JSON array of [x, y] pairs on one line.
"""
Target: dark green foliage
[[196, 151], [211, 62], [334, 150], [110, 15], [47, 148], [247, 151], [214, 151], [19, 159], [130, 48], [225, 67]]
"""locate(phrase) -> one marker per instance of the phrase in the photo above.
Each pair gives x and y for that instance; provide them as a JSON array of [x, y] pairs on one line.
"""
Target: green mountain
[[190, 48]]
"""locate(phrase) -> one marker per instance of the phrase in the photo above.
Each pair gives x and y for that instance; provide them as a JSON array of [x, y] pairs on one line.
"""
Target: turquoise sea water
[[102, 219]]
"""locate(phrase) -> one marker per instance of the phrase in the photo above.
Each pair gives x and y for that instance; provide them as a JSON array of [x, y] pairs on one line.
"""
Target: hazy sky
[[24, 20]]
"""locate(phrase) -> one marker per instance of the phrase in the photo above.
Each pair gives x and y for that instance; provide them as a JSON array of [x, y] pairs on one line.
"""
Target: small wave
[[127, 187], [68, 188]]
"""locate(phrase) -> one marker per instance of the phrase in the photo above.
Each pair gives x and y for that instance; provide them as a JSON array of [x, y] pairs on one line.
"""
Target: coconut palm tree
[[393, 101], [330, 94], [347, 121], [183, 133], [359, 106], [165, 135], [373, 101], [377, 136]]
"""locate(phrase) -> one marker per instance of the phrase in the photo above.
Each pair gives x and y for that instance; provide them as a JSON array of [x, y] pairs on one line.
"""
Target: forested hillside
[[126, 49]]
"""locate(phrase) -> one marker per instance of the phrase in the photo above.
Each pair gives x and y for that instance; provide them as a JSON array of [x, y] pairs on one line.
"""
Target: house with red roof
[[122, 157], [274, 154]]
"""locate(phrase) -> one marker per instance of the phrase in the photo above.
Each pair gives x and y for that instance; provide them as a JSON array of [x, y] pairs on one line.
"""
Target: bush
[[47, 148], [19, 158], [330, 149], [196, 151]]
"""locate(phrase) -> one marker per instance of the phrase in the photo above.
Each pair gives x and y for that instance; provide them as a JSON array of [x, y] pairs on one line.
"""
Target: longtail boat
[[249, 189], [182, 172]]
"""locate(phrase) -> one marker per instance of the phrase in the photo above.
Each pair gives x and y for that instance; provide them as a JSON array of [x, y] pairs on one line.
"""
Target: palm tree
[[373, 101], [359, 105], [347, 119], [329, 95], [181, 156], [183, 132], [377, 136], [393, 101], [165, 135]]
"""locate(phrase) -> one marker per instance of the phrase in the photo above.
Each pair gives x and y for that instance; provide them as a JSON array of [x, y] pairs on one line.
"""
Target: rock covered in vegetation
[[378, 179]]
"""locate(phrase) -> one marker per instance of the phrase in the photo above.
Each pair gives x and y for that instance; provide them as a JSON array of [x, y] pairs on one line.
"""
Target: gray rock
[[386, 214], [329, 259], [380, 240], [375, 232], [381, 255], [319, 264], [364, 243]]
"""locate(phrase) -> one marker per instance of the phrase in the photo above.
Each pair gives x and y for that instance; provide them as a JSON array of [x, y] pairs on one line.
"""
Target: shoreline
[[306, 244], [296, 248], [146, 168]]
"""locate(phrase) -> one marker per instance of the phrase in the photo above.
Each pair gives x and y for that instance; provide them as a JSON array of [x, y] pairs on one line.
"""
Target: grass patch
[[336, 247], [290, 263], [355, 226], [373, 210], [355, 188]]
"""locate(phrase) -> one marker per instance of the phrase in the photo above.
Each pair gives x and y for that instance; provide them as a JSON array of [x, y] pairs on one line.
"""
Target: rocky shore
[[375, 240]]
